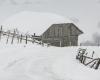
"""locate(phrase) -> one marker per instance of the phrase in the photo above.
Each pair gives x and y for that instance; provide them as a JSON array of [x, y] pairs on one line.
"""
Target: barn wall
[[66, 30], [66, 34], [75, 30], [53, 32], [65, 41], [74, 40], [57, 31]]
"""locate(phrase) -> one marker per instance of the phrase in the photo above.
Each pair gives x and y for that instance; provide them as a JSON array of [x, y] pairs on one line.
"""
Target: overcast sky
[[85, 13]]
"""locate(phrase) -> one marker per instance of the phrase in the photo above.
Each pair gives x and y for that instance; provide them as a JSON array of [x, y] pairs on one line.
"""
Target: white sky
[[85, 13]]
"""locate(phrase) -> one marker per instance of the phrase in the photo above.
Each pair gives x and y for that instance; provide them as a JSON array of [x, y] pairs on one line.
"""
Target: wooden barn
[[64, 34]]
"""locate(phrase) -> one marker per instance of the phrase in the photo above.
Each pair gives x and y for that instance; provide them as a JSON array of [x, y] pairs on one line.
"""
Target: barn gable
[[75, 30], [62, 29], [69, 28]]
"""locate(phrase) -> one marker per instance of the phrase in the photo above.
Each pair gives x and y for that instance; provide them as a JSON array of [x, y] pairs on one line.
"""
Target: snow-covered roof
[[68, 25], [33, 22]]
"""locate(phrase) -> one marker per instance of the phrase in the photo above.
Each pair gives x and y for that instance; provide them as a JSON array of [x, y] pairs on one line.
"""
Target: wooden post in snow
[[18, 38], [33, 40], [98, 63], [84, 59], [8, 33], [93, 53], [21, 38], [34, 34], [13, 36], [26, 38]]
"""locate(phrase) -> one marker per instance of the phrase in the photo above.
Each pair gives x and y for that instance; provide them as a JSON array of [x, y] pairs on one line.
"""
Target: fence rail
[[15, 35]]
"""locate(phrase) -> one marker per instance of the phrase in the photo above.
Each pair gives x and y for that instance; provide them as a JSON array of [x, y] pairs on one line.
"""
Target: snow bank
[[70, 69], [44, 63]]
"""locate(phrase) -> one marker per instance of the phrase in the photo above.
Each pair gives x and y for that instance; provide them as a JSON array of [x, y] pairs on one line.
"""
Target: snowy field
[[34, 62], [20, 61]]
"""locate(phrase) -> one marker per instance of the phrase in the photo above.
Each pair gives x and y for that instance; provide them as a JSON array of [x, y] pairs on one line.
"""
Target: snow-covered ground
[[34, 62]]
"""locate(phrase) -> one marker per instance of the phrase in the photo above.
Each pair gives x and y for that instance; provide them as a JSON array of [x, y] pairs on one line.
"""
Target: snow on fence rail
[[86, 60], [20, 37]]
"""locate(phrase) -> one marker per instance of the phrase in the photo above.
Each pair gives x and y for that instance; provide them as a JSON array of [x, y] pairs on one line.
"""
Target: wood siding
[[62, 35]]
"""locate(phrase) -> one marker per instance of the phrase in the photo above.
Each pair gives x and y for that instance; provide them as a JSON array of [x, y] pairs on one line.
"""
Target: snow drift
[[35, 62]]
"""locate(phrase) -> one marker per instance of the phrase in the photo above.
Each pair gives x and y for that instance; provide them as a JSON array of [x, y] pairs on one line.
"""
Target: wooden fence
[[20, 37], [86, 60]]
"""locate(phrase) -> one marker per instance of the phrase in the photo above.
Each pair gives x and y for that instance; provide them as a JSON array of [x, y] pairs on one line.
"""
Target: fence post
[[21, 38], [13, 35], [98, 63], [8, 36], [33, 40], [84, 60], [17, 35], [93, 53], [26, 39], [18, 38]]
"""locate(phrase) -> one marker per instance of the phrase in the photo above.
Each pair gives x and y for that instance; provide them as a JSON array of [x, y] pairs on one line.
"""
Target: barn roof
[[67, 25], [33, 22]]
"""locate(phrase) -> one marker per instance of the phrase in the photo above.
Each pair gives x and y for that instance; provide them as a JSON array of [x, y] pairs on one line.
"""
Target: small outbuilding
[[64, 34]]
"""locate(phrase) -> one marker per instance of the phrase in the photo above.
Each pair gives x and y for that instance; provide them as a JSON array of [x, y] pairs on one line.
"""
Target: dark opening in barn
[[64, 34]]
